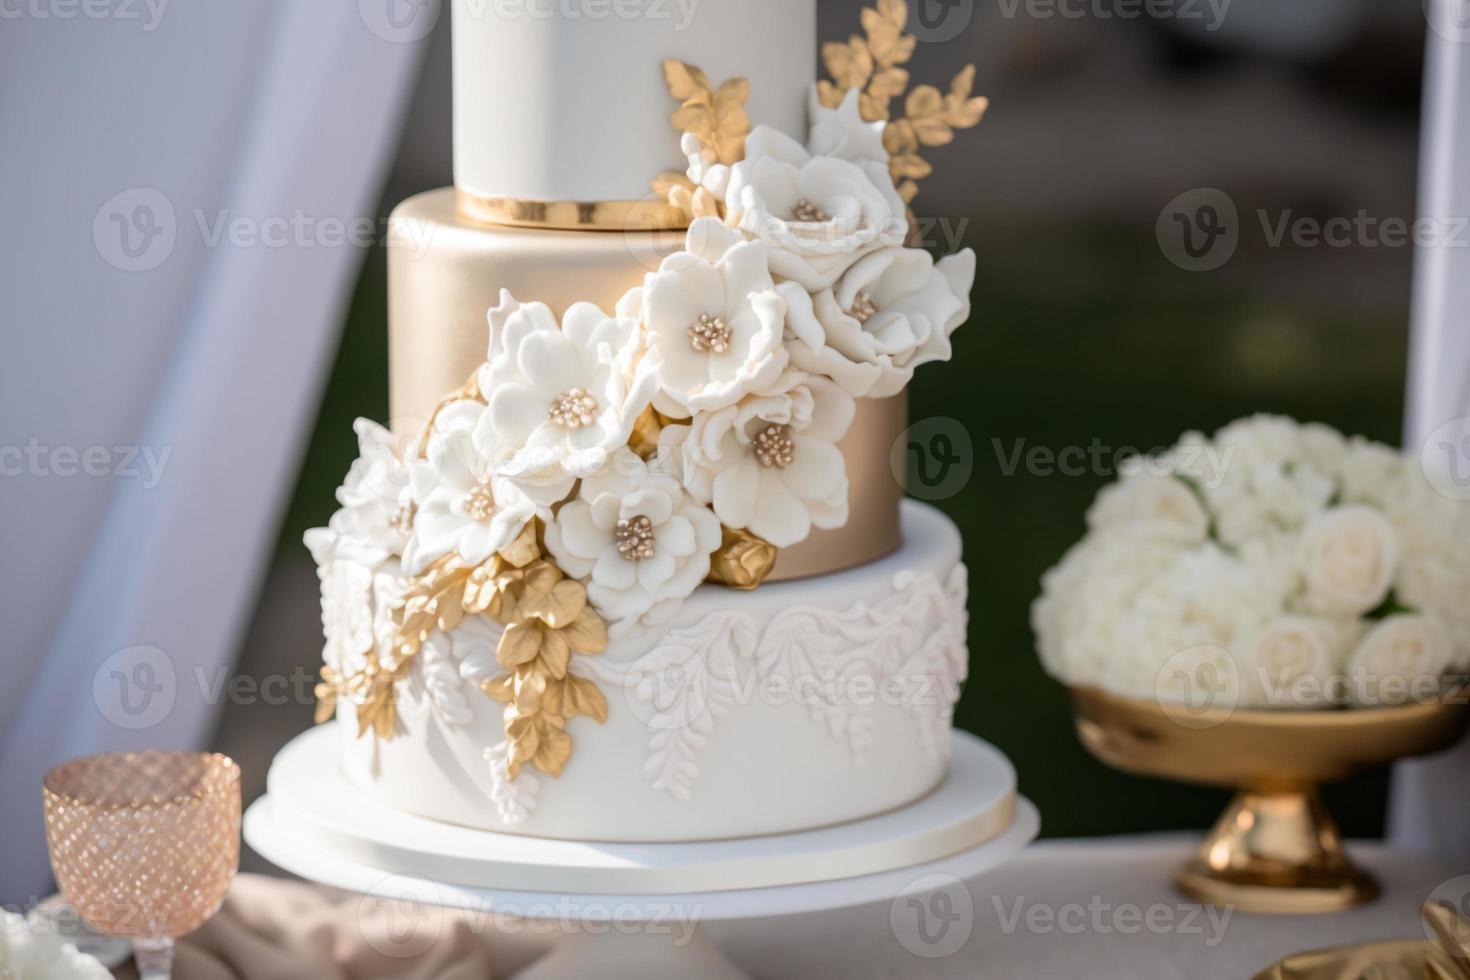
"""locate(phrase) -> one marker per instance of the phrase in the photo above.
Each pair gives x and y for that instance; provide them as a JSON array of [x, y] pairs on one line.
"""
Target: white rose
[[1401, 659], [639, 539], [1161, 503], [770, 463], [1289, 663], [893, 311], [817, 214], [714, 321], [1349, 556], [562, 397]]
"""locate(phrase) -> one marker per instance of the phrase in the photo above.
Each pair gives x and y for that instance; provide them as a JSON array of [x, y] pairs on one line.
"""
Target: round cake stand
[[635, 910]]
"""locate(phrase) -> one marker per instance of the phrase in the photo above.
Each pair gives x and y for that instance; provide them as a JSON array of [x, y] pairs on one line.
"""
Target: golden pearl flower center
[[774, 447], [709, 333], [573, 409], [479, 501], [804, 210], [863, 307], [635, 538]]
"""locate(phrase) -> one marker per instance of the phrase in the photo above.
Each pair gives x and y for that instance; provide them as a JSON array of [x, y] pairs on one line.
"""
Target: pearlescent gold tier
[[445, 271]]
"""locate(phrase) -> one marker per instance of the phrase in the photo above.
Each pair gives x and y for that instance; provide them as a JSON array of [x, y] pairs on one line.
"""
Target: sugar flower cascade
[[601, 466]]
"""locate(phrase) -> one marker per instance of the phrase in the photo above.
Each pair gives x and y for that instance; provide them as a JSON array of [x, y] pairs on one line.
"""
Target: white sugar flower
[[373, 522], [347, 612], [1145, 499], [894, 310], [843, 132], [639, 539], [1401, 659], [818, 214], [1349, 557], [1290, 662], [562, 398], [770, 463], [463, 504], [33, 952], [714, 321], [703, 172]]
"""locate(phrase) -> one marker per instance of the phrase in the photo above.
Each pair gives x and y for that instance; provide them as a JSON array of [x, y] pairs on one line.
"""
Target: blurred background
[[1085, 333], [1110, 316]]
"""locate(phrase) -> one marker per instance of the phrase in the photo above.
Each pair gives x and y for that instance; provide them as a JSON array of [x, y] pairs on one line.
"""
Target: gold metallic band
[[646, 215]]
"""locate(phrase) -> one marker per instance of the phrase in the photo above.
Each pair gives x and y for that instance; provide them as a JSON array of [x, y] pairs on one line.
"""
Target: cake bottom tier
[[801, 704]]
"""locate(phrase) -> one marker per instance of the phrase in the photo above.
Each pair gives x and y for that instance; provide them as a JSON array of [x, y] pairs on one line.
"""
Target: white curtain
[[1430, 809], [181, 225]]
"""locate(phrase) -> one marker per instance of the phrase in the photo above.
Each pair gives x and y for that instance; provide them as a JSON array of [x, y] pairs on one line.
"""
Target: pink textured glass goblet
[[144, 845]]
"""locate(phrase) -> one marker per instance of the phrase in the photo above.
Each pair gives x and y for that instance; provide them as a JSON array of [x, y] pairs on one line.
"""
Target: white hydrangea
[[32, 952]]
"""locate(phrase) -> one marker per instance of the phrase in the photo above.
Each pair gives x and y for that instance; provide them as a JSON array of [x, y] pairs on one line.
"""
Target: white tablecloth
[[1089, 903], [1092, 909]]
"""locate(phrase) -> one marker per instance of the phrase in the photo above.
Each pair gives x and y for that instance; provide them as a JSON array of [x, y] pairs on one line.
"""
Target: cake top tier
[[564, 100]]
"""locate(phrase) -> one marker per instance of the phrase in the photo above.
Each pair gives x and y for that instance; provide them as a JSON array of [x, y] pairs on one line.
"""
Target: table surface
[[1086, 909], [1097, 908]]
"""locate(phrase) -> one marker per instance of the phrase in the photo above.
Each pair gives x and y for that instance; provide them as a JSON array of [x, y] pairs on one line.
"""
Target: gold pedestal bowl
[[1276, 849]]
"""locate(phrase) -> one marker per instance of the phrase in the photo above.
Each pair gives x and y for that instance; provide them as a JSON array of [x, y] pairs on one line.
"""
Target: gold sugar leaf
[[850, 64], [716, 116], [871, 65], [500, 688], [828, 94], [552, 751], [582, 697], [519, 644], [587, 634], [684, 80]]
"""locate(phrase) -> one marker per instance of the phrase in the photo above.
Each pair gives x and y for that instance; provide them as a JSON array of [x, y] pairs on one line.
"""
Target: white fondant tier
[[565, 100], [799, 705]]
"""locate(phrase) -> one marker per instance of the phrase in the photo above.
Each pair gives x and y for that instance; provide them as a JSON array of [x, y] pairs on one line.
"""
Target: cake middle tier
[[445, 272], [799, 705]]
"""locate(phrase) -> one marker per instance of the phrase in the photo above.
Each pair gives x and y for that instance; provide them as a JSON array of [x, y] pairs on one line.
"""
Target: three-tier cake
[[631, 560]]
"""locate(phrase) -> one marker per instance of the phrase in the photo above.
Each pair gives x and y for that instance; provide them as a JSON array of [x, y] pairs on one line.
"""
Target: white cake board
[[313, 823]]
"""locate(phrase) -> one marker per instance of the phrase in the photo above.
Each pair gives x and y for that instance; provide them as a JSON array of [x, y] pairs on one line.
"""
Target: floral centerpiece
[[1275, 565]]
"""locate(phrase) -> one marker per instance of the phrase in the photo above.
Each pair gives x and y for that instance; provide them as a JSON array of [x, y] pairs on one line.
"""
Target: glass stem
[[154, 958]]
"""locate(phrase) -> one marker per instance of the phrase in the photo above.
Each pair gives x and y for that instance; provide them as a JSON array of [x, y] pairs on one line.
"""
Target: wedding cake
[[630, 561]]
